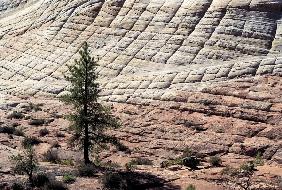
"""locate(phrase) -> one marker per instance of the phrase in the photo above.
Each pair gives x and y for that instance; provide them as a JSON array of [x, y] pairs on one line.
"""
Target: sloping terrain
[[203, 74]]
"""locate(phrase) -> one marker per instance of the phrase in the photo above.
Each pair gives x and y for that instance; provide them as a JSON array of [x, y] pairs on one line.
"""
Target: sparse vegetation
[[40, 180], [68, 178], [11, 130], [26, 164], [188, 159], [191, 187], [30, 141], [215, 161], [241, 177], [60, 134], [54, 185], [52, 156], [15, 115], [141, 161], [114, 181], [36, 122], [43, 132], [87, 170]]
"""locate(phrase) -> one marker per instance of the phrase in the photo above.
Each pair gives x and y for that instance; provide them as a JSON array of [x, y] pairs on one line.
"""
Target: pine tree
[[91, 118]]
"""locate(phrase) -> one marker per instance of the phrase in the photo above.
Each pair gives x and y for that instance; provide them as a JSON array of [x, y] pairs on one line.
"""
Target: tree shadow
[[131, 180]]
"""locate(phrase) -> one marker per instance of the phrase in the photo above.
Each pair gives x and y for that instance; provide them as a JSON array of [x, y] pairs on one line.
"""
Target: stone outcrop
[[147, 49], [204, 74]]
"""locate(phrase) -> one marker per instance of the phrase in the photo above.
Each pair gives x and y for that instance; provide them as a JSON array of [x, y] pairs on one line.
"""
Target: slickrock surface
[[203, 74]]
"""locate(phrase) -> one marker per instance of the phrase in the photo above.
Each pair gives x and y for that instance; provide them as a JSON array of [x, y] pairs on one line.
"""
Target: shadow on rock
[[135, 181]]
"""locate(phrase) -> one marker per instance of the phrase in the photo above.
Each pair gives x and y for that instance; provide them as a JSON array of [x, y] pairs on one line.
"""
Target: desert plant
[[191, 162], [68, 178], [241, 177], [15, 115], [114, 181], [215, 161], [26, 164], [11, 130], [41, 179], [43, 132], [67, 162], [87, 170], [36, 122], [30, 141], [141, 161], [52, 156], [90, 119], [54, 185], [60, 134], [191, 187]]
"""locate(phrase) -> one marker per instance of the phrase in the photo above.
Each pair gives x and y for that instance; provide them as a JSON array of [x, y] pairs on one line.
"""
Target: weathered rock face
[[199, 63], [147, 49]]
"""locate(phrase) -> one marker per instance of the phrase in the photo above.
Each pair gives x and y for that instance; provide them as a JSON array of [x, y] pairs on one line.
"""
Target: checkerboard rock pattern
[[147, 49], [168, 66]]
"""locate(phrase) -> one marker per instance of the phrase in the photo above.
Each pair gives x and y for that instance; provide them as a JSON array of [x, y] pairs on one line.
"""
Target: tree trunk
[[86, 145], [86, 127]]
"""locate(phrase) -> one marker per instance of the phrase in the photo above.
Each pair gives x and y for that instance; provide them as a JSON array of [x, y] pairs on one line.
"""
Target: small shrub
[[259, 161], [11, 130], [191, 187], [52, 156], [215, 161], [26, 164], [191, 162], [54, 185], [87, 170], [30, 141], [111, 164], [141, 161], [129, 166], [19, 132], [36, 122], [17, 186], [15, 115], [68, 178], [34, 107], [40, 180], [43, 132], [60, 134], [187, 152], [114, 181], [67, 162]]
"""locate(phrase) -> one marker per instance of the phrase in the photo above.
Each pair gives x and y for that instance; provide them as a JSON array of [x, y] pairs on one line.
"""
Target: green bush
[[68, 178], [52, 156], [114, 181], [30, 141], [191, 187], [215, 161], [43, 132], [87, 170]]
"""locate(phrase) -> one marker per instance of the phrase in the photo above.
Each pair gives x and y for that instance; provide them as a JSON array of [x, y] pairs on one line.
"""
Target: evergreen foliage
[[91, 118]]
